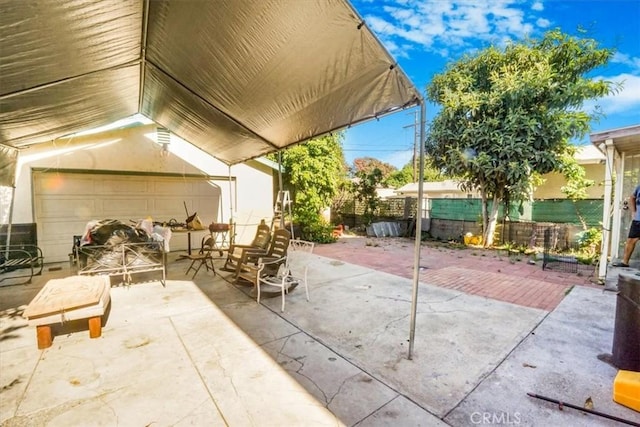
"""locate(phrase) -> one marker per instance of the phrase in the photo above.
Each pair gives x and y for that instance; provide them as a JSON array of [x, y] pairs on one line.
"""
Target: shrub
[[315, 229], [589, 241]]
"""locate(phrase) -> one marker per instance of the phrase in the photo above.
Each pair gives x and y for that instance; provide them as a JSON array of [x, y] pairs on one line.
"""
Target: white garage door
[[64, 202]]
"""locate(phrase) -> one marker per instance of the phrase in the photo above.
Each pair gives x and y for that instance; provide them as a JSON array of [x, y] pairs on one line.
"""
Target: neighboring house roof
[[447, 186], [625, 140], [589, 154], [385, 192], [269, 163]]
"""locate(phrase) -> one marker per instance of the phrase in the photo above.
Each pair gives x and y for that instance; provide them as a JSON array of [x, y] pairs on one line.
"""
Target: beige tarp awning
[[236, 78]]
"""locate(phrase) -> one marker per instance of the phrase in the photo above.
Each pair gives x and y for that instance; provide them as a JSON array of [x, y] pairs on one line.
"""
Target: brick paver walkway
[[480, 272], [500, 286]]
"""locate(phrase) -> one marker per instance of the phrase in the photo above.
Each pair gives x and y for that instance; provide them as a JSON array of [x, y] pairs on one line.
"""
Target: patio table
[[70, 298]]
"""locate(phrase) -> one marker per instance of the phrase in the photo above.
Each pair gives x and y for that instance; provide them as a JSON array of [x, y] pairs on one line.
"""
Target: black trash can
[[626, 333]]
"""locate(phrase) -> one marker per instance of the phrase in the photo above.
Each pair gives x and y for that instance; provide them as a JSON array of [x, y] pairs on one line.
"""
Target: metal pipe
[[280, 189], [589, 411], [12, 202], [230, 197], [10, 220], [418, 241], [143, 53]]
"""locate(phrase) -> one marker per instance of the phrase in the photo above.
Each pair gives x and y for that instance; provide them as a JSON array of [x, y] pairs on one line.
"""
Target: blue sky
[[425, 35]]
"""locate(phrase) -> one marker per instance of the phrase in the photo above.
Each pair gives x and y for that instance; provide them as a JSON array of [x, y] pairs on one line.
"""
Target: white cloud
[[628, 99], [380, 26], [399, 158], [537, 6], [543, 23], [625, 59], [437, 25]]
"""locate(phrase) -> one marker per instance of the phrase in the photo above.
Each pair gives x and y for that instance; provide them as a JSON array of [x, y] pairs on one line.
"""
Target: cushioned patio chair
[[260, 242]]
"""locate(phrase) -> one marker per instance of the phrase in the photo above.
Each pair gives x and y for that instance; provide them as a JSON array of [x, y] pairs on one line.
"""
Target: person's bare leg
[[628, 249]]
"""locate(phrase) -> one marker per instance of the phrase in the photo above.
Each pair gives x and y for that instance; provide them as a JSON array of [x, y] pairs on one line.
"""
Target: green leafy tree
[[577, 182], [510, 113], [400, 177], [343, 199], [368, 164], [365, 191], [405, 175], [576, 189], [313, 172]]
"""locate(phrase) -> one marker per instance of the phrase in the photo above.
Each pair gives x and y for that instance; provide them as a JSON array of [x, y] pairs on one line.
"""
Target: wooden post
[[43, 333]]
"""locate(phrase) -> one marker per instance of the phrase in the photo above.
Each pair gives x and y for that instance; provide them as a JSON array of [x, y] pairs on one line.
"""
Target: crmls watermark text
[[499, 418]]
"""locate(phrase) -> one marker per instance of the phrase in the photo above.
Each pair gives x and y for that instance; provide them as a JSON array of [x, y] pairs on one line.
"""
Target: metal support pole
[[10, 220], [618, 198], [10, 158], [607, 211], [418, 241], [230, 197], [280, 189]]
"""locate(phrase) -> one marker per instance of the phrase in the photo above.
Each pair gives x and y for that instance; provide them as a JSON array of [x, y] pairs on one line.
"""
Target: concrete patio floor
[[203, 352]]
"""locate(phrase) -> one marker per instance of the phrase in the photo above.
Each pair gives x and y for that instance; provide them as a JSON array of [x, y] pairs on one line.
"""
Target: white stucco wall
[[134, 149], [550, 188]]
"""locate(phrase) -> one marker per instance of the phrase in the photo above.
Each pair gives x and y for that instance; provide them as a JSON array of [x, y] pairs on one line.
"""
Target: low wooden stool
[[71, 298]]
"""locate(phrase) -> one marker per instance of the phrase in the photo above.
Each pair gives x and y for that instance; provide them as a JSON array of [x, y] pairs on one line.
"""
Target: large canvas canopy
[[237, 78]]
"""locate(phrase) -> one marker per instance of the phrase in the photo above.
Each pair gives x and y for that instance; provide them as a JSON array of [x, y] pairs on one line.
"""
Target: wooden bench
[[21, 257], [71, 298]]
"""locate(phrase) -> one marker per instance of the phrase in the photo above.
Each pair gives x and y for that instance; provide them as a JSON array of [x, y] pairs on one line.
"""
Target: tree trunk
[[581, 218], [485, 219], [491, 223]]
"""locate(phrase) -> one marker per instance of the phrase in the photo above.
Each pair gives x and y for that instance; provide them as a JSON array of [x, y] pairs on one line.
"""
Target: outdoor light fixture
[[163, 137], [164, 151]]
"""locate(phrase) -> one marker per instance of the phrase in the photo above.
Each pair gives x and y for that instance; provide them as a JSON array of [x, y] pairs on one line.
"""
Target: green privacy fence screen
[[470, 210], [568, 211], [559, 211], [587, 211]]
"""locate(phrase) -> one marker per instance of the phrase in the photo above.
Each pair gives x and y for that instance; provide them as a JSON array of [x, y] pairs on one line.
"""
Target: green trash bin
[[626, 332]]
